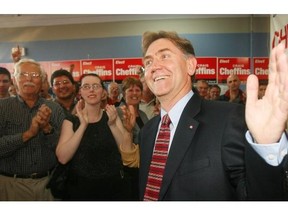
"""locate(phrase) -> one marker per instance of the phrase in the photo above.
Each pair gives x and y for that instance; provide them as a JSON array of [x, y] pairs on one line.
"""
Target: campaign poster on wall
[[279, 29], [102, 67], [71, 66], [239, 66], [206, 69], [46, 67], [8, 66], [126, 67], [261, 67]]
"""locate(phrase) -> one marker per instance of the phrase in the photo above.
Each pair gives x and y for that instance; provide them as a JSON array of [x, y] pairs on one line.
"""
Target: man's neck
[[114, 99], [67, 103], [234, 92], [30, 100]]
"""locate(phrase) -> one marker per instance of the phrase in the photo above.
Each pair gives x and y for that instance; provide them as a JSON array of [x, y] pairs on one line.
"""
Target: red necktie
[[158, 162]]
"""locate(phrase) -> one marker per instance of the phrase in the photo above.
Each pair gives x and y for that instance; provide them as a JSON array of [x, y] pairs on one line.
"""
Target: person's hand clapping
[[112, 114], [129, 117], [82, 112], [43, 116]]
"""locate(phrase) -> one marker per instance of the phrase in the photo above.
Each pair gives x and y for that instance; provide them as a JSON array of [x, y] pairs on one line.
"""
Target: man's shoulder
[[220, 109], [8, 100], [54, 106], [220, 104], [51, 103], [153, 121]]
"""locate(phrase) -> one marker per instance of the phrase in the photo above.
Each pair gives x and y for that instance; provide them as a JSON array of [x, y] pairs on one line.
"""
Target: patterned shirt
[[38, 153], [71, 108]]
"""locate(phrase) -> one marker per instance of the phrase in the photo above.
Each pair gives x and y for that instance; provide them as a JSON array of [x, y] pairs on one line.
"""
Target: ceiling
[[26, 20]]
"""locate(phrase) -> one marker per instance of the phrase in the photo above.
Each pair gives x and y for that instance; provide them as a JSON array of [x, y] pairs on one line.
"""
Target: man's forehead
[[4, 77], [61, 78], [159, 45], [232, 78]]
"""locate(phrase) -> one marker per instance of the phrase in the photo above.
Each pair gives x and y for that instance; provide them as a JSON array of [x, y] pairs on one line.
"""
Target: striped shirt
[[38, 153]]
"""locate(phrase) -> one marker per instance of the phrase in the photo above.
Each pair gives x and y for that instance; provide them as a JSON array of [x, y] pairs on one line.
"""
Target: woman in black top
[[88, 143]]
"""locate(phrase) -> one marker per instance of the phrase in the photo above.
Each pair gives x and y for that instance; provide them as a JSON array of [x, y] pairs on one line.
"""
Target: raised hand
[[82, 112], [129, 117], [112, 114], [266, 118], [16, 55]]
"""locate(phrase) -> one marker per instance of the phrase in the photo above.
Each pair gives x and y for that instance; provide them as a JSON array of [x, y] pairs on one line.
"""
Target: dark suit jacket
[[209, 155]]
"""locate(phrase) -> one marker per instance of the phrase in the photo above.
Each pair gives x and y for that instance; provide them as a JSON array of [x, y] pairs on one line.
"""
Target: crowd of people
[[216, 151], [233, 94]]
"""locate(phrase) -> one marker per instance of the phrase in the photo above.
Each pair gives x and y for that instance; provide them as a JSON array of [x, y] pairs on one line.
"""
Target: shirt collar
[[37, 104], [177, 109]]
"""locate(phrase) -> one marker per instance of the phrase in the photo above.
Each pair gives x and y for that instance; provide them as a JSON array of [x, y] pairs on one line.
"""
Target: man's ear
[[191, 64]]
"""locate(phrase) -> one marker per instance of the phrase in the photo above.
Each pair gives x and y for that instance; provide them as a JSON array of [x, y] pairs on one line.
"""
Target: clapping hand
[[112, 114], [82, 112], [129, 117], [40, 121], [43, 116]]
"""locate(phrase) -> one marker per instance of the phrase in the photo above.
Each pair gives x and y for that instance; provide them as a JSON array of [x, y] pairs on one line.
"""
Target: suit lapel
[[148, 138], [183, 137]]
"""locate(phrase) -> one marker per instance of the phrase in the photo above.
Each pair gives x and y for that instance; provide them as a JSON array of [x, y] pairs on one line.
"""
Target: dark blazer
[[208, 156]]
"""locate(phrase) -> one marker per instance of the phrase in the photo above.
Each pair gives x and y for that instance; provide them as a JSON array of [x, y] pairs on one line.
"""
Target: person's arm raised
[[122, 132], [266, 118]]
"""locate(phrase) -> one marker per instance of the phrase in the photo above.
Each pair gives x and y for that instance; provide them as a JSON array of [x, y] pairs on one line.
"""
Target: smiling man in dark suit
[[212, 154]]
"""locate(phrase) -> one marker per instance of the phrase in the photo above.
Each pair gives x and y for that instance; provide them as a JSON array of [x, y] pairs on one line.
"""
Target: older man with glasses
[[29, 132]]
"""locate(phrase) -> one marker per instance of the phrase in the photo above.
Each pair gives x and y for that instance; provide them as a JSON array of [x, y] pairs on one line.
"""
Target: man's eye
[[164, 56], [147, 63]]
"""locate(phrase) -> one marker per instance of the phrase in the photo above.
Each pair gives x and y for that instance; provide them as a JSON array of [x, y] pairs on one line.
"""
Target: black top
[[98, 155]]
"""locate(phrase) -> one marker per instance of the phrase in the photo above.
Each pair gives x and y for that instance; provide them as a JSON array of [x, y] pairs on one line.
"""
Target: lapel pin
[[191, 126]]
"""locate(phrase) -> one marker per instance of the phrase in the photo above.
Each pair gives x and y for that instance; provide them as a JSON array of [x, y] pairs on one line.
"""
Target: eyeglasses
[[33, 75], [58, 83], [87, 87]]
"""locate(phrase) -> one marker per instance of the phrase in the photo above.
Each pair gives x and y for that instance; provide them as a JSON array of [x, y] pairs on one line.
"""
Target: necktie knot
[[166, 120]]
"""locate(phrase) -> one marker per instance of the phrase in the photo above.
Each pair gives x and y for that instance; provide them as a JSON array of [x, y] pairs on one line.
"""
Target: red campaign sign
[[281, 35], [8, 66], [206, 68], [71, 66], [239, 66], [46, 68], [261, 68], [102, 67], [126, 68]]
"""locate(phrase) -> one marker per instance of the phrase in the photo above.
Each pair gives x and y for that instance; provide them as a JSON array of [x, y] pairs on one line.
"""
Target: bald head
[[233, 82]]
